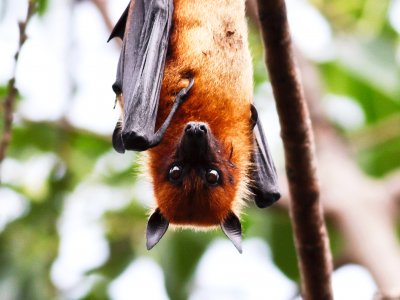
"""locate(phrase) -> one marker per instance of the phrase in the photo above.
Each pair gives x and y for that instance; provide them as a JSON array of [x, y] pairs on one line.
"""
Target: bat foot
[[185, 91]]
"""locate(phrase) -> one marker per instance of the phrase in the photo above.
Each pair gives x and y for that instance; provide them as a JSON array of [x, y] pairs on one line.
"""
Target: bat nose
[[134, 141], [196, 129], [196, 142]]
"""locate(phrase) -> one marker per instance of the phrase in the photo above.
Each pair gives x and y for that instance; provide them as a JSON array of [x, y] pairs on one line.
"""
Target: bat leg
[[180, 98], [138, 142], [233, 230], [145, 28], [264, 178], [156, 228]]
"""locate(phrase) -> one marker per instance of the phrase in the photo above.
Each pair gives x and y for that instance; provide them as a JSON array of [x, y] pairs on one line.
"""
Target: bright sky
[[69, 46]]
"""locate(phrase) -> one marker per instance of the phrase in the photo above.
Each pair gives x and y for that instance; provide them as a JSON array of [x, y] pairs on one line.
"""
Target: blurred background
[[73, 212]]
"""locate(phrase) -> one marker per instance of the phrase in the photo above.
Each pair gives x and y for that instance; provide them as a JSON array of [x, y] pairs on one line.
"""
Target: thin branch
[[362, 208], [311, 240], [8, 106], [101, 5], [252, 12], [12, 93], [364, 211]]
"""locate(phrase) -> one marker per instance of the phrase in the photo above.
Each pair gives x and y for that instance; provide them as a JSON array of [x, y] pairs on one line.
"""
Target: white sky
[[394, 15], [70, 46]]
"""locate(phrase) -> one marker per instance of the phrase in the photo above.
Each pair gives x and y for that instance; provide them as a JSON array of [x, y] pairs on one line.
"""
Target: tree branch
[[363, 209], [306, 212], [101, 5], [12, 92]]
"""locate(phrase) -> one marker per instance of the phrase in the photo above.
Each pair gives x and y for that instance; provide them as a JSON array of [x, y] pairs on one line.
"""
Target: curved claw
[[184, 92]]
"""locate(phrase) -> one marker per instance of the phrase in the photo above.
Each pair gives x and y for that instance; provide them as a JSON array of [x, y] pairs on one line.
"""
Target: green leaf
[[381, 159], [362, 16], [257, 52], [3, 91], [282, 245], [125, 231], [374, 102], [79, 149], [336, 241], [42, 6], [372, 61], [274, 226]]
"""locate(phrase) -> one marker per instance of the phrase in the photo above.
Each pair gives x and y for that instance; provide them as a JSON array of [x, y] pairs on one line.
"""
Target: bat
[[184, 83]]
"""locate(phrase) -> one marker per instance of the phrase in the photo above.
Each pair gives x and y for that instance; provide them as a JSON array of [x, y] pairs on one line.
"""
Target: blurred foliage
[[3, 91], [356, 16], [42, 6], [364, 69], [257, 52]]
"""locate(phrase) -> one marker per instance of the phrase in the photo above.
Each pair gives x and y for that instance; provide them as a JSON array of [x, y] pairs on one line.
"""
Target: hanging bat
[[184, 82]]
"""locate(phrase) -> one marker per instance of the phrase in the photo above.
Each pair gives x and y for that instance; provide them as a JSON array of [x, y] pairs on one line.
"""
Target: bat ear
[[233, 229], [254, 116], [156, 227], [117, 138]]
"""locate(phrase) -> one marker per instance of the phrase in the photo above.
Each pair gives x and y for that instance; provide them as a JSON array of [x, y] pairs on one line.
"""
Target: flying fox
[[185, 84]]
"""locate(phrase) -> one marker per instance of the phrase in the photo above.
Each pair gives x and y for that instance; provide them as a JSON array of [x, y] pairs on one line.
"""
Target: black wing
[[264, 179], [119, 28], [156, 228], [145, 27], [233, 230]]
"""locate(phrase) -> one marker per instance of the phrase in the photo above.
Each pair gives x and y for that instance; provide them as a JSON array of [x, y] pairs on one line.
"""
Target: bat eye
[[175, 173], [212, 176]]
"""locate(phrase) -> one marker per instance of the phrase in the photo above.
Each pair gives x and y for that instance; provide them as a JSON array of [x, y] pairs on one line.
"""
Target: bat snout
[[134, 141], [196, 142], [196, 129]]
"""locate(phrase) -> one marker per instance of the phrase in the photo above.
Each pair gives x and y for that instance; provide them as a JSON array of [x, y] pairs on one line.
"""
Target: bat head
[[196, 185]]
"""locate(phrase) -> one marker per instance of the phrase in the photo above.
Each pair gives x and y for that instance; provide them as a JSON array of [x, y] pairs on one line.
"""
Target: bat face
[[196, 184]]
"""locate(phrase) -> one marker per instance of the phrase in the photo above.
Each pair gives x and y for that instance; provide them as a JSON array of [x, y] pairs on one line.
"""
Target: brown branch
[[363, 209], [8, 104], [252, 12], [306, 212], [101, 5]]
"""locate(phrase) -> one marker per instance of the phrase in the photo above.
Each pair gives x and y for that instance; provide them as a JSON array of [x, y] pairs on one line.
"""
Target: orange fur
[[209, 43]]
